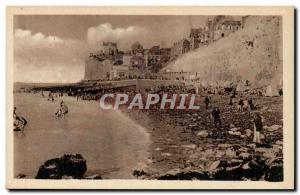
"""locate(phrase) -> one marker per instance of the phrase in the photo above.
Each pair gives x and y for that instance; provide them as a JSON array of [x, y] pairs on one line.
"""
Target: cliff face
[[253, 53], [96, 69]]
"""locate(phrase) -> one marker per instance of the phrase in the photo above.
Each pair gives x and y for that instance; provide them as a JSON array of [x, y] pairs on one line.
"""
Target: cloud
[[41, 58], [27, 37], [123, 36]]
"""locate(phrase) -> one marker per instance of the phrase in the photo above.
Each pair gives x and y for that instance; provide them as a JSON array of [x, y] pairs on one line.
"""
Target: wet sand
[[111, 142]]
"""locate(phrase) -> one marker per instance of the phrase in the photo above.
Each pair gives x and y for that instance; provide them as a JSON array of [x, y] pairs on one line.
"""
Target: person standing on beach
[[216, 116], [50, 96], [206, 101], [250, 102], [240, 104], [258, 127]]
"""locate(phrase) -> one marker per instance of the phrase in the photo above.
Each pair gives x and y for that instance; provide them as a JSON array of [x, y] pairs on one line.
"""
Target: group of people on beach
[[20, 122], [246, 104]]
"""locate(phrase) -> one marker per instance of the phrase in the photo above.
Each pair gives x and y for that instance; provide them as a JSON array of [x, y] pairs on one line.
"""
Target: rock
[[246, 166], [235, 129], [238, 133], [214, 165], [208, 152], [274, 127], [244, 155], [278, 142], [248, 132], [166, 154], [251, 145], [276, 148], [139, 173], [248, 169], [230, 152], [203, 134], [235, 133], [269, 154], [275, 173], [220, 153], [224, 145], [157, 149], [257, 169], [69, 165]]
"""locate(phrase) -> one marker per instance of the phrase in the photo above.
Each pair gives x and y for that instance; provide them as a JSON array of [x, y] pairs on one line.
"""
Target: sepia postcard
[[185, 98]]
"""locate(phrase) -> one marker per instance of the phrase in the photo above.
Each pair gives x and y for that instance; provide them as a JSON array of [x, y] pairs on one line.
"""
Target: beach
[[112, 144]]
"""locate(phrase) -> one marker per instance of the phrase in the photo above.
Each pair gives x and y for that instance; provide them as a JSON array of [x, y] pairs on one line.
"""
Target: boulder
[[275, 173], [248, 169], [244, 155], [278, 142], [203, 134], [166, 154], [230, 152], [248, 132], [214, 165], [139, 173], [235, 129], [238, 133], [274, 127], [67, 166]]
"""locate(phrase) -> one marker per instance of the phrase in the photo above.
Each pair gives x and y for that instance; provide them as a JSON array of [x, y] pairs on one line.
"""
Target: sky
[[53, 48]]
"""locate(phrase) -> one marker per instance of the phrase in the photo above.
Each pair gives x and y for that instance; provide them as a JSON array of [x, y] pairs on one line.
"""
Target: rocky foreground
[[69, 166], [187, 146]]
